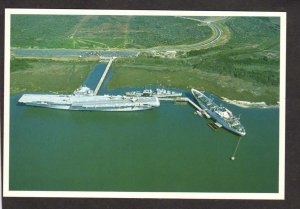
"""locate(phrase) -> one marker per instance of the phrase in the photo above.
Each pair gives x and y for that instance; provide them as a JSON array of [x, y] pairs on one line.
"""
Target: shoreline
[[247, 104]]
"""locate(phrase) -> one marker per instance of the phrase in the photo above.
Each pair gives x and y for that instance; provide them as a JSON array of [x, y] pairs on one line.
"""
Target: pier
[[197, 107], [103, 76], [182, 99], [186, 99]]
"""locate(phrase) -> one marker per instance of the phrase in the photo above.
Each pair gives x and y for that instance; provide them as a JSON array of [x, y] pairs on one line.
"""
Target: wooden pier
[[103, 76]]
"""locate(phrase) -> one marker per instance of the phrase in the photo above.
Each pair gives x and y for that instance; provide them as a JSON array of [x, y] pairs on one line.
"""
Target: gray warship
[[220, 114], [84, 99], [158, 92]]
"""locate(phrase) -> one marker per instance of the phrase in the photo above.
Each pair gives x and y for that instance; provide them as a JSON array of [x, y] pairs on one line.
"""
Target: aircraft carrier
[[85, 99]]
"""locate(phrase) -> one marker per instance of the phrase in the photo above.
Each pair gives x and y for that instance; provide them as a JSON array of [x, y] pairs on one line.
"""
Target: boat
[[158, 92], [220, 114], [84, 99]]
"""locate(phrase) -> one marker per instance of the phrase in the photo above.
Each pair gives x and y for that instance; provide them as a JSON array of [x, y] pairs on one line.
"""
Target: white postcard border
[[166, 195]]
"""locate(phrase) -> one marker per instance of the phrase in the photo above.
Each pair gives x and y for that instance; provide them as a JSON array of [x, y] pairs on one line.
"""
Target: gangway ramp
[[186, 99], [103, 76]]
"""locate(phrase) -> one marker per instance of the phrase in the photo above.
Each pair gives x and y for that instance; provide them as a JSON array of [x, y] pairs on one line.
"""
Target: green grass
[[42, 31], [47, 75], [251, 54], [144, 71], [164, 31], [103, 32], [18, 65]]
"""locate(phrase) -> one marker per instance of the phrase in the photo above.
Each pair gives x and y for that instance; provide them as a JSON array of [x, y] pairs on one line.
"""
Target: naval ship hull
[[223, 123], [88, 102], [159, 93], [215, 116]]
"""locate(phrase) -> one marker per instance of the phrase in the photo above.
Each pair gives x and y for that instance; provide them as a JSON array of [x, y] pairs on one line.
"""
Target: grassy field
[[103, 32], [47, 75], [178, 74], [252, 52], [42, 31]]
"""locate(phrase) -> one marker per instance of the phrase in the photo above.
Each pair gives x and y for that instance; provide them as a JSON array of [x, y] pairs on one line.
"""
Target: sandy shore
[[246, 104]]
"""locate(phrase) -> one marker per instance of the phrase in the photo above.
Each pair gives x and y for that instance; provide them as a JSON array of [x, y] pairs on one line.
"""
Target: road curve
[[217, 33]]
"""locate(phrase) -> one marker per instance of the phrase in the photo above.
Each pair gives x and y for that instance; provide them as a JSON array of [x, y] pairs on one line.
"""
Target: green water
[[168, 149]]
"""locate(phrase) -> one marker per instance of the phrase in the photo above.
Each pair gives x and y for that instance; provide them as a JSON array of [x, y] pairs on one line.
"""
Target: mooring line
[[236, 148]]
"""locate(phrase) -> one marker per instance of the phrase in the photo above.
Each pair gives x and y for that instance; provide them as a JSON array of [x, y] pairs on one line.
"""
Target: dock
[[186, 99], [203, 112], [193, 104], [182, 99], [103, 76]]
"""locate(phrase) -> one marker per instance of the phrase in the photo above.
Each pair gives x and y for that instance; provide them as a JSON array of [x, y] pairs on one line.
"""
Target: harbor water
[[167, 149], [164, 149]]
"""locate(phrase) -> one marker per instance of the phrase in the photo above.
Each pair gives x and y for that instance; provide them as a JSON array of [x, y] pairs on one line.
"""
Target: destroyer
[[84, 99], [159, 92], [221, 114]]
